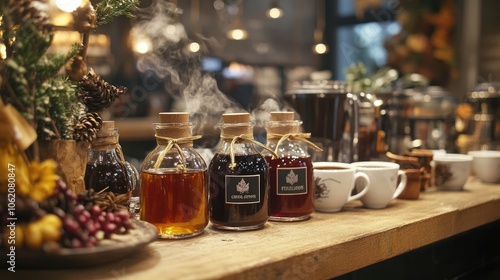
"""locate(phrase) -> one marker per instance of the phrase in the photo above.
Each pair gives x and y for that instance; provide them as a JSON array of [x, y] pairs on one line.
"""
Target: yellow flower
[[43, 179], [13, 169], [36, 180]]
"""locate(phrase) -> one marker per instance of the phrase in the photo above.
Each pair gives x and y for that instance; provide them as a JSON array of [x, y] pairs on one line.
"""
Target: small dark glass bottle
[[105, 169], [291, 190], [174, 181], [238, 178]]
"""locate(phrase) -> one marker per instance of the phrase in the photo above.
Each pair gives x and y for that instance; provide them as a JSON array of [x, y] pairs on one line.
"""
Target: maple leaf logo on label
[[242, 186], [292, 178]]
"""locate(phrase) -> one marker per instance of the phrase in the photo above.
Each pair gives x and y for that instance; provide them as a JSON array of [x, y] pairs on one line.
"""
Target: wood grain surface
[[325, 246]]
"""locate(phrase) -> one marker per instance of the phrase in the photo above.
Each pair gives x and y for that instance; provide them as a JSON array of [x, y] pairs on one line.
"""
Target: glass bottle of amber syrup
[[106, 169], [174, 181], [291, 191], [238, 178]]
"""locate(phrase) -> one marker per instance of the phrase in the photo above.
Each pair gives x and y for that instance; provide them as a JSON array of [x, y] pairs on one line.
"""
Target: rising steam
[[178, 68]]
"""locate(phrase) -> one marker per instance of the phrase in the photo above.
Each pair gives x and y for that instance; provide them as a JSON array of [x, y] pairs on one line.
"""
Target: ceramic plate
[[110, 250]]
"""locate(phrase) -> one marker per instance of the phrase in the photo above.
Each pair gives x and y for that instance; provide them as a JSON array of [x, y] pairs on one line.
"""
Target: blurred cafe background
[[364, 76]]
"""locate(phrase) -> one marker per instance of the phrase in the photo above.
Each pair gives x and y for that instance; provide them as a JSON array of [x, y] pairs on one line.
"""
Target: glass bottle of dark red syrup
[[238, 178], [174, 181], [291, 191]]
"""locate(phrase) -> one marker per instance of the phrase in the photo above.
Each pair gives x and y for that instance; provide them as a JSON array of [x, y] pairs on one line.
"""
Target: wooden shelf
[[327, 245]]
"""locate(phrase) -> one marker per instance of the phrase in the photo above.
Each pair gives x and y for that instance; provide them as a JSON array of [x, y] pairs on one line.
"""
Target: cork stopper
[[236, 124], [283, 123], [107, 137], [282, 116], [107, 125], [236, 118], [174, 117], [107, 129], [174, 125]]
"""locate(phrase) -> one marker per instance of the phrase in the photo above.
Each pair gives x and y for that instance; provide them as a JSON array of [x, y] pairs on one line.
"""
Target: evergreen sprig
[[50, 64], [30, 45], [29, 75], [57, 108], [108, 9]]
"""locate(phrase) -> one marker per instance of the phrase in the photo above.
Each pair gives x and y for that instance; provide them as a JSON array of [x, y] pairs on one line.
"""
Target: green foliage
[[30, 45], [29, 75], [27, 48], [18, 86], [50, 64], [30, 81], [108, 9], [356, 77], [57, 108]]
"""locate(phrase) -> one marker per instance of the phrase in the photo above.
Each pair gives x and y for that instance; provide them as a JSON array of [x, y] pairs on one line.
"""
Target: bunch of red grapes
[[83, 226]]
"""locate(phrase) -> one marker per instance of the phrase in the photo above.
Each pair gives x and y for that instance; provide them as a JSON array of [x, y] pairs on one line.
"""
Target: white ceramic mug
[[384, 182], [451, 171], [486, 165], [334, 183]]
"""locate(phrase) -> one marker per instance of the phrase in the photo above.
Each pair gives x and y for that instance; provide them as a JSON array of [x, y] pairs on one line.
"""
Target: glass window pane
[[345, 8], [365, 43]]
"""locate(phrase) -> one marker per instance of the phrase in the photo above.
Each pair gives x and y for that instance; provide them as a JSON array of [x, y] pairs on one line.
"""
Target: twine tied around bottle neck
[[174, 142], [243, 138], [105, 142], [109, 142], [292, 136]]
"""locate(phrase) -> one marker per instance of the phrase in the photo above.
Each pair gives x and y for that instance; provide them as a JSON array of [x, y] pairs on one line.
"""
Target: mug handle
[[401, 185], [358, 175]]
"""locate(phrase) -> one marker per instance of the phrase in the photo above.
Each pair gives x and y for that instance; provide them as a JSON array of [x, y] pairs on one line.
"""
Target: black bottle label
[[291, 181], [242, 189]]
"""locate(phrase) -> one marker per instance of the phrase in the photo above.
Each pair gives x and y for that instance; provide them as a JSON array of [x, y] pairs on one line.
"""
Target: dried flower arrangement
[[48, 96], [58, 106]]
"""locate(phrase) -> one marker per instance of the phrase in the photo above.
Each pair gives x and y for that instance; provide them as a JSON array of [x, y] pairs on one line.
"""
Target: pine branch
[[49, 64], [108, 9], [20, 78], [30, 45], [18, 87], [57, 108]]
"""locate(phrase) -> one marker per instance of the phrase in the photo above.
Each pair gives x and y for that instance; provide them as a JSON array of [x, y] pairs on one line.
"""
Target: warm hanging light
[[68, 5], [320, 48], [236, 30], [3, 51], [274, 10], [319, 45], [194, 46], [237, 33], [142, 45]]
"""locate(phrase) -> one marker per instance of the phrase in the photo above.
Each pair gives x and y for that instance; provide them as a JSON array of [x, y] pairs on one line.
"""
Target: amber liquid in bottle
[[232, 215], [175, 202], [290, 206], [110, 176]]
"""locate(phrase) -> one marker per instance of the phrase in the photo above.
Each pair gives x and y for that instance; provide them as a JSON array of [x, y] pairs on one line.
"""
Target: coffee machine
[[419, 116], [484, 126], [330, 112]]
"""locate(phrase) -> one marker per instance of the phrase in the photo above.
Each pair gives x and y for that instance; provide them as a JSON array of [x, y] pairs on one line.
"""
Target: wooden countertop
[[325, 246]]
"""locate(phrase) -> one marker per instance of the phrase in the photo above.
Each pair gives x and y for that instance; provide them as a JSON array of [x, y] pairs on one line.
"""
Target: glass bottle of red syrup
[[238, 178], [291, 191]]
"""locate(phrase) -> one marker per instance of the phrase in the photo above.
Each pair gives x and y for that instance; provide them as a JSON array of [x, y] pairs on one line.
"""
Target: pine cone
[[25, 10], [87, 127], [84, 19], [96, 93]]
